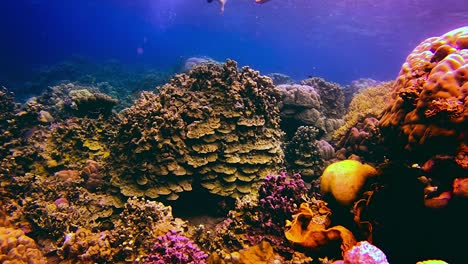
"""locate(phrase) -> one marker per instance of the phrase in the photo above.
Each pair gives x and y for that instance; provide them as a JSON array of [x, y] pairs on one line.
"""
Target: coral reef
[[84, 246], [17, 248], [140, 224], [344, 180], [362, 142], [193, 62], [280, 78], [175, 248], [257, 219], [68, 99], [7, 112], [57, 204], [332, 97], [307, 155], [302, 105], [73, 141], [369, 102], [110, 77], [428, 113], [216, 128], [356, 87], [279, 198]]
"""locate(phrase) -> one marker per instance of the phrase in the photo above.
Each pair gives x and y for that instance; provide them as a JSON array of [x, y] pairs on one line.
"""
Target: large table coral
[[429, 111], [216, 127]]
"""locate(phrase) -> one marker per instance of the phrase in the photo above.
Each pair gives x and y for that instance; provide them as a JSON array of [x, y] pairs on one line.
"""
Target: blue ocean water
[[338, 40]]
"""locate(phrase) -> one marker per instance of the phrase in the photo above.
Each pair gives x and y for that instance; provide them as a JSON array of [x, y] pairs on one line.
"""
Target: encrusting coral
[[215, 128], [17, 248]]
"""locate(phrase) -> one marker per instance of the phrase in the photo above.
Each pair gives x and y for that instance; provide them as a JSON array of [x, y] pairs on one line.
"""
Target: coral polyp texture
[[429, 112], [216, 128], [175, 248], [17, 248]]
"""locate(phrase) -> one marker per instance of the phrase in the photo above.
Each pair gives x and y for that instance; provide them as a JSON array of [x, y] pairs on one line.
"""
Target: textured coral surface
[[429, 111], [216, 127]]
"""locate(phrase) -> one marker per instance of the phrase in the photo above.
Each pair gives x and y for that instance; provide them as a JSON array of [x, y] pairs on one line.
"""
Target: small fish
[[222, 2], [261, 1]]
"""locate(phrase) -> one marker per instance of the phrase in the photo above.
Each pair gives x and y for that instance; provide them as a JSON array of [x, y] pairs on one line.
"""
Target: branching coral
[[215, 128]]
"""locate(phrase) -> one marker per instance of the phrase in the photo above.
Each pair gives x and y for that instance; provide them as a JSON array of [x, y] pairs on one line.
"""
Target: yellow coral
[[369, 102], [345, 179]]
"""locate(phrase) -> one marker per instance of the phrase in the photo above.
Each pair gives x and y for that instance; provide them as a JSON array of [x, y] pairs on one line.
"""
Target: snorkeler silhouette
[[223, 3]]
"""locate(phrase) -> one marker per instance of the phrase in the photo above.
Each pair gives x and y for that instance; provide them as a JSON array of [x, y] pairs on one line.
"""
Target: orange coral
[[430, 103], [16, 247], [309, 230]]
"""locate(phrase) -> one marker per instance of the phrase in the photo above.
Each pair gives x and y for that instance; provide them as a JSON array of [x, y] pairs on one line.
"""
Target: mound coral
[[307, 155], [215, 128], [365, 253], [175, 248], [331, 94], [17, 248], [84, 246], [344, 180], [428, 114], [302, 105]]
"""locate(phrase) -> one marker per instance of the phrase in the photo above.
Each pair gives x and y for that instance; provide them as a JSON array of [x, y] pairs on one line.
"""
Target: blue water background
[[337, 40]]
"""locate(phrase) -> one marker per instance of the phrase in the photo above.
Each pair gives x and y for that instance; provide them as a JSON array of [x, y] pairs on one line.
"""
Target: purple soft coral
[[175, 248]]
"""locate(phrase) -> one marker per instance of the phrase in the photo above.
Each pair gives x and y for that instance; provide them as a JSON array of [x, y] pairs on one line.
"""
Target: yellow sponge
[[344, 180]]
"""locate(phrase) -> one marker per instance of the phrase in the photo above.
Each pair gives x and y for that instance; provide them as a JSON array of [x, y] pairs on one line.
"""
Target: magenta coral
[[175, 248], [279, 198], [365, 253]]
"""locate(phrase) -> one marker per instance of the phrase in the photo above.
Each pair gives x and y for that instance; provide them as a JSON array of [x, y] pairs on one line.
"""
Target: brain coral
[[428, 114], [215, 127]]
